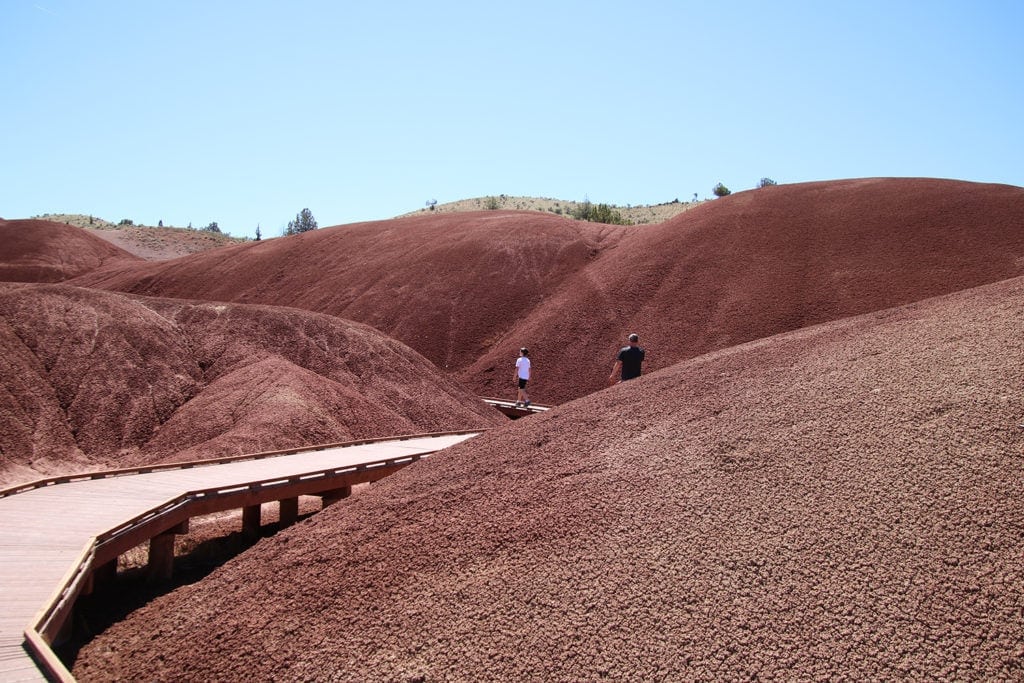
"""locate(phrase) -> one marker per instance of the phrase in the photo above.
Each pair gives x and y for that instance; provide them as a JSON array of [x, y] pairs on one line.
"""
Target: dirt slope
[[448, 286], [467, 290], [94, 379], [44, 251], [149, 242], [159, 244], [840, 502], [763, 262]]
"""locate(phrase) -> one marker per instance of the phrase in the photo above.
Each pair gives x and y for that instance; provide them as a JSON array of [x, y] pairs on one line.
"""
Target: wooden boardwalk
[[510, 409], [57, 535]]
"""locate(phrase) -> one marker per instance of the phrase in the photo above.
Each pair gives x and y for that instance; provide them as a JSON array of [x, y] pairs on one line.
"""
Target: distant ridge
[[148, 242], [638, 215], [43, 251]]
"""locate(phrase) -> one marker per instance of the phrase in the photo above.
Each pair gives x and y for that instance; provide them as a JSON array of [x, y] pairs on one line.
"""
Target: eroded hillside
[[468, 289], [96, 379]]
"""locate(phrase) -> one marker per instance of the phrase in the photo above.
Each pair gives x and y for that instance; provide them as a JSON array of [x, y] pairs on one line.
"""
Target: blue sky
[[245, 113]]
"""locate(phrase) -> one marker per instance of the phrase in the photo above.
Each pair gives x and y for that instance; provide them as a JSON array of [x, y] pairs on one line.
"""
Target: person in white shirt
[[522, 377]]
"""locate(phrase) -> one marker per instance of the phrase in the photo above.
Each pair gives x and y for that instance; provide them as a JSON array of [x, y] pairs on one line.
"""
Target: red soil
[[97, 379], [840, 502], [467, 290], [447, 286], [43, 251]]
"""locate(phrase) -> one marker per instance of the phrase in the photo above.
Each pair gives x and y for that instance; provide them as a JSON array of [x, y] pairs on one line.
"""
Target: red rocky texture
[[467, 290], [447, 286], [839, 502], [99, 379]]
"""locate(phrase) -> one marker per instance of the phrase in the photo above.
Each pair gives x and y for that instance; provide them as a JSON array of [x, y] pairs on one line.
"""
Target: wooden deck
[[56, 534], [510, 409]]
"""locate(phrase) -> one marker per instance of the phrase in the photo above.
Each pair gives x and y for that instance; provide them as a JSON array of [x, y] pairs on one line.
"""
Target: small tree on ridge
[[304, 222]]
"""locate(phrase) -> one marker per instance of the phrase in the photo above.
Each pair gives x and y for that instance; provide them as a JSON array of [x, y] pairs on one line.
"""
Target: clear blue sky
[[246, 112]]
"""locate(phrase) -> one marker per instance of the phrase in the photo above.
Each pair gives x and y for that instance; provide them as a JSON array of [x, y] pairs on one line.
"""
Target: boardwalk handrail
[[182, 501], [43, 629], [188, 464]]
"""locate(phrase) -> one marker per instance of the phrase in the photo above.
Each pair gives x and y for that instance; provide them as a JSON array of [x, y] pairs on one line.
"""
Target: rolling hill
[[468, 289], [837, 502], [44, 251]]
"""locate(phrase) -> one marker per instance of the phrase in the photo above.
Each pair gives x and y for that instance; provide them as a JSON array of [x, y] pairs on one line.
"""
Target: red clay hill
[[467, 290], [448, 286], [95, 379], [44, 251], [839, 502]]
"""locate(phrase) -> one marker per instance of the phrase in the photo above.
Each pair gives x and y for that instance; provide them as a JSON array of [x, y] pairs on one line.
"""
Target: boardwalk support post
[[288, 511], [103, 575], [333, 496], [161, 553], [251, 516]]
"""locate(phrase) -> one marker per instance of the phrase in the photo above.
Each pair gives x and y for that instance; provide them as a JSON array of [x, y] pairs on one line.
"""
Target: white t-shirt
[[523, 365]]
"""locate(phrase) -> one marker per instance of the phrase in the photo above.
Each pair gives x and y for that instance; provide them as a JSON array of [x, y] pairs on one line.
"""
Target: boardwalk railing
[[147, 469]]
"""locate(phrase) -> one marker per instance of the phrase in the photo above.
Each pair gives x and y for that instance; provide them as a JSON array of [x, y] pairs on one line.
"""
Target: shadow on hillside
[[113, 602]]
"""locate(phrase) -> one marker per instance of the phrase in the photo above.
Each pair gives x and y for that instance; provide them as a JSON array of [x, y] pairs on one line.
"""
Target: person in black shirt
[[627, 363]]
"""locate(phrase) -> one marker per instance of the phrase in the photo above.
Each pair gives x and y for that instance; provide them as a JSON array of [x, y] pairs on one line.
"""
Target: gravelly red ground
[[467, 290], [839, 502], [446, 286], [42, 251], [97, 379]]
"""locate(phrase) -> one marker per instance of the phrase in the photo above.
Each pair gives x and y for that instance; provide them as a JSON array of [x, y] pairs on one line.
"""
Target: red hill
[[95, 379], [43, 251], [448, 286], [467, 290], [840, 502], [763, 262]]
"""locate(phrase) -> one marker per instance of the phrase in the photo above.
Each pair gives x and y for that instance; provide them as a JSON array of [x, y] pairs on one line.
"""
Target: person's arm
[[616, 372]]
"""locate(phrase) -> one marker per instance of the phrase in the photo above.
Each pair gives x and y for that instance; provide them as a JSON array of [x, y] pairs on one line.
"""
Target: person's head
[[633, 339], [524, 351]]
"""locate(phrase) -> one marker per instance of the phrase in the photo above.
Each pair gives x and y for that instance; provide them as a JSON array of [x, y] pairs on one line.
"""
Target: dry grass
[[153, 243], [655, 213]]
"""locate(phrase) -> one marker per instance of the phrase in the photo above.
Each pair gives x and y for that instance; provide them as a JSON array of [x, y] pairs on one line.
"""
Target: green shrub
[[600, 213]]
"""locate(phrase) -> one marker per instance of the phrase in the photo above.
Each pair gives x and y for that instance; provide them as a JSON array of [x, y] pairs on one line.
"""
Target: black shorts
[[522, 383]]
